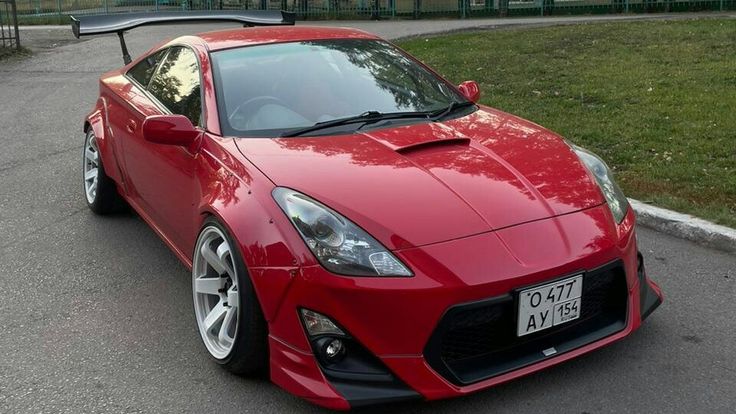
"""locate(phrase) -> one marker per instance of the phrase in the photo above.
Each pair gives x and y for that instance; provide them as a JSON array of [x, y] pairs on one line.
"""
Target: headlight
[[616, 199], [339, 245]]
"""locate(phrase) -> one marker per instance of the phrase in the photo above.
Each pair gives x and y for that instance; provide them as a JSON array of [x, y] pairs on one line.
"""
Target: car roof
[[249, 36]]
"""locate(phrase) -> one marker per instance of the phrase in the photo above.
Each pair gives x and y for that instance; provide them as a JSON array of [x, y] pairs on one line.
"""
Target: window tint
[[176, 84], [143, 71], [268, 89]]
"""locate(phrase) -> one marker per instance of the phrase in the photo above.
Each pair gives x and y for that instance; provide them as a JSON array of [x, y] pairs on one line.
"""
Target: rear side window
[[176, 84], [143, 71]]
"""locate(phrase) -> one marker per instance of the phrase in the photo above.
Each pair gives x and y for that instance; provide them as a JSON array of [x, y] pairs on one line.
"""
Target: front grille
[[478, 340]]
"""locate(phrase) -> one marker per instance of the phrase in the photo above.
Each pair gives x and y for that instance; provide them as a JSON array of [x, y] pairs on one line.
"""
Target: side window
[[176, 84], [143, 71]]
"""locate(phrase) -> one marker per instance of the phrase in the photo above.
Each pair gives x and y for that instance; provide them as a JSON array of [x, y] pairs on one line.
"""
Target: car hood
[[425, 183]]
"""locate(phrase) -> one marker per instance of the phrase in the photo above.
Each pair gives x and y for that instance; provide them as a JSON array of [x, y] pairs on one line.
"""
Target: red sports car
[[355, 224]]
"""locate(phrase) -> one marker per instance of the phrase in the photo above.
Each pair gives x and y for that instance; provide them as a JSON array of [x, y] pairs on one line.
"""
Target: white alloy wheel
[[216, 293], [90, 168]]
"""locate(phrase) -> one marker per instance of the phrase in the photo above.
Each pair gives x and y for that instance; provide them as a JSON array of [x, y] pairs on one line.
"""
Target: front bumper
[[397, 320]]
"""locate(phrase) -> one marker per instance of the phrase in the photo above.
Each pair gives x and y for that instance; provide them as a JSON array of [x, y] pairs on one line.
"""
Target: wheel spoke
[[224, 336], [213, 259], [91, 174], [215, 315], [91, 155], [223, 251], [210, 285], [233, 297]]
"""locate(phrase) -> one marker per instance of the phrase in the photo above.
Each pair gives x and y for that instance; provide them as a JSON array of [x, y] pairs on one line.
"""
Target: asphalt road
[[96, 314]]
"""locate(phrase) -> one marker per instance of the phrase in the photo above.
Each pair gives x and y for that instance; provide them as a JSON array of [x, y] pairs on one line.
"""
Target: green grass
[[656, 99]]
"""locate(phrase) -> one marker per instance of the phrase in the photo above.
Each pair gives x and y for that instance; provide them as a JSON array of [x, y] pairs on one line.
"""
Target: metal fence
[[8, 25], [51, 10]]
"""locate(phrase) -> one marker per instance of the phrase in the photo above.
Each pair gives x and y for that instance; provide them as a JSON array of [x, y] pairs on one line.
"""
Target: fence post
[[417, 8], [58, 9], [626, 6], [155, 4], [107, 8], [503, 8], [14, 11]]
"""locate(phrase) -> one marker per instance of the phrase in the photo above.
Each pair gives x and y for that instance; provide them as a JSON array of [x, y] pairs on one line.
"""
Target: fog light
[[334, 349]]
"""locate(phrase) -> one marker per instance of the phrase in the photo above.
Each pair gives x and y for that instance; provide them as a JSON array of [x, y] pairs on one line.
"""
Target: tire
[[219, 279], [100, 191]]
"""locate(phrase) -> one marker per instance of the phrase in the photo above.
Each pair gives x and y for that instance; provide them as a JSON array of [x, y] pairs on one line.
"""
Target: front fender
[[240, 198]]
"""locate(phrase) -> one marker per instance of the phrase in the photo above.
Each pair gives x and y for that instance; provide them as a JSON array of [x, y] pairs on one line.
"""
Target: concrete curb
[[685, 226]]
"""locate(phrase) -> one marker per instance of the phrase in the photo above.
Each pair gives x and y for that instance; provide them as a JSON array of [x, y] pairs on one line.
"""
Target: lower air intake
[[478, 340]]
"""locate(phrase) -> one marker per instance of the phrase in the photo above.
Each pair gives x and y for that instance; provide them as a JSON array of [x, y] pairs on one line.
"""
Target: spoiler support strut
[[126, 55], [118, 23]]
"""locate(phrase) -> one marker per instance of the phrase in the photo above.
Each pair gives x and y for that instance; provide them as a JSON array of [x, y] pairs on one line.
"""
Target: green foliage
[[656, 99]]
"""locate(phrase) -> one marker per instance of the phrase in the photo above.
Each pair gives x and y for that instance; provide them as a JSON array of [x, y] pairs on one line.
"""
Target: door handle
[[130, 126]]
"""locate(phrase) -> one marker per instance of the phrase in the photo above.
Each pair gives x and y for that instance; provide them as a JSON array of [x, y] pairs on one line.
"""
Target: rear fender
[[98, 123]]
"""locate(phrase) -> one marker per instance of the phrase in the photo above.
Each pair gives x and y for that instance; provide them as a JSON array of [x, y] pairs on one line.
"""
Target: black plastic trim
[[433, 349], [361, 395], [359, 376], [362, 378], [564, 339], [649, 301]]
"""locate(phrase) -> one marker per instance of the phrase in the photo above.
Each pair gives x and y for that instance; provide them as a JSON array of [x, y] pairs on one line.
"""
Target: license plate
[[550, 305]]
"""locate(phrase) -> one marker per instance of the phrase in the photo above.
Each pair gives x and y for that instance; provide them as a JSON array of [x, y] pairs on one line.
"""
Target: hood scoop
[[418, 146], [415, 138]]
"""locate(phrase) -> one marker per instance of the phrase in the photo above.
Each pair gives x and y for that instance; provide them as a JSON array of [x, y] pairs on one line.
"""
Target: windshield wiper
[[454, 106], [365, 117]]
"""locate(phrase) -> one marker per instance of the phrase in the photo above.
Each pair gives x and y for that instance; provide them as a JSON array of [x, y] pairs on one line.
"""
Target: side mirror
[[470, 90], [169, 130]]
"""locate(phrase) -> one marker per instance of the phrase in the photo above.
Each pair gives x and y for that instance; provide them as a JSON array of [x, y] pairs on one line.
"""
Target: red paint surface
[[475, 206]]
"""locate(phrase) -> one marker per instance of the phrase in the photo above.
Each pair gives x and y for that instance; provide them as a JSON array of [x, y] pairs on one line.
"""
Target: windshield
[[268, 90]]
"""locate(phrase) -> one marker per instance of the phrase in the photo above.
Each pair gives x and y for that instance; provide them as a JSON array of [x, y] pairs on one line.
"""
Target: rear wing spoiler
[[120, 22]]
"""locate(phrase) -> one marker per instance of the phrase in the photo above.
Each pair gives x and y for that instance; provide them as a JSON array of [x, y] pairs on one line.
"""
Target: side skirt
[[179, 254]]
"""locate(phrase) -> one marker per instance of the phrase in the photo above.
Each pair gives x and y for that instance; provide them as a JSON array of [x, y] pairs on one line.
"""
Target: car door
[[127, 105], [162, 177]]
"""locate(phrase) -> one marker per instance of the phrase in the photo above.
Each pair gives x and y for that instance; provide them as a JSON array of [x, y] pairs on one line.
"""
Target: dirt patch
[[39, 38]]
